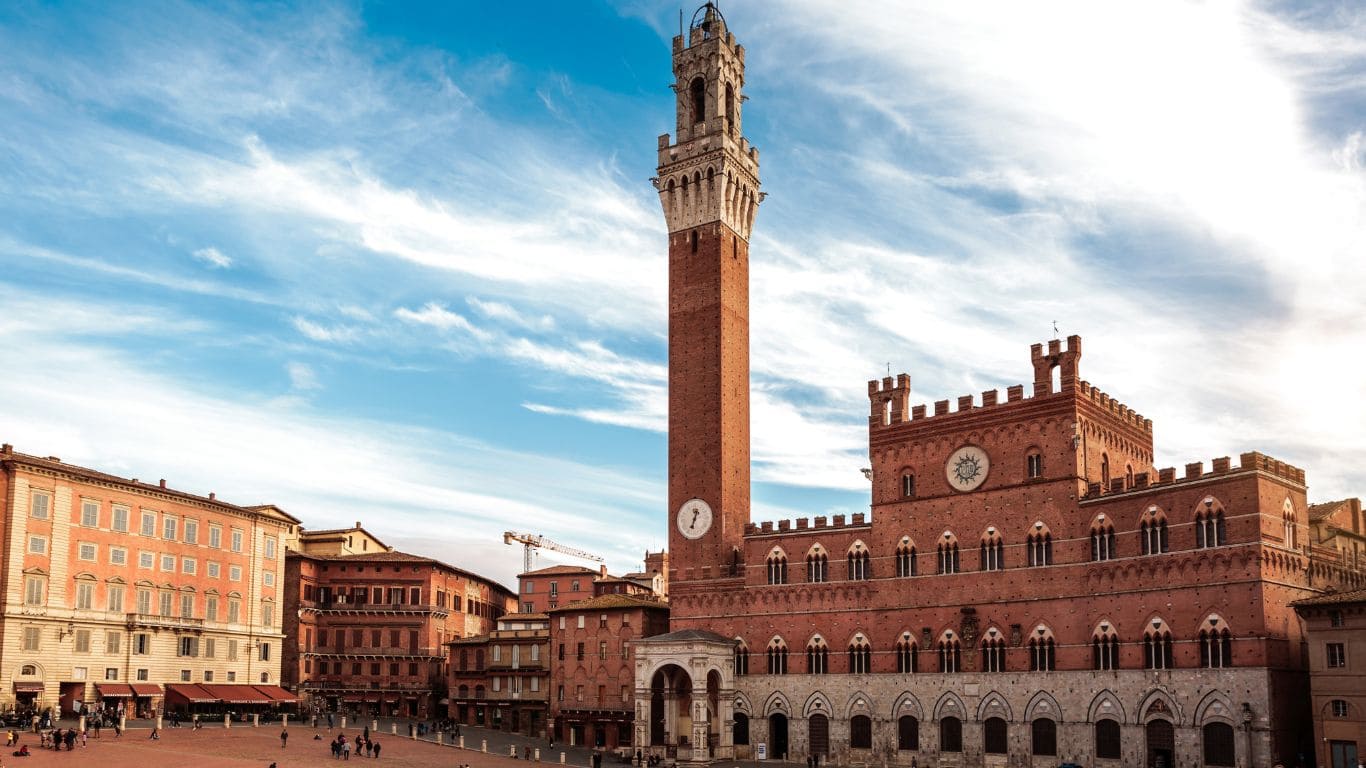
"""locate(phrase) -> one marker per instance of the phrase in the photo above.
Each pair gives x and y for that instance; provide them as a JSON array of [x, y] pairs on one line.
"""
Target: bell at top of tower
[[708, 148]]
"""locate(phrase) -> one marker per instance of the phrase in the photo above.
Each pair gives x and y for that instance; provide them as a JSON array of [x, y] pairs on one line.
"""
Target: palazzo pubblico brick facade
[[1028, 588]]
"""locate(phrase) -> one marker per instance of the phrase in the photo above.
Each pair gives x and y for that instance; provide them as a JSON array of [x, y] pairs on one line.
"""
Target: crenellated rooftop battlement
[[1195, 471], [889, 399], [807, 525]]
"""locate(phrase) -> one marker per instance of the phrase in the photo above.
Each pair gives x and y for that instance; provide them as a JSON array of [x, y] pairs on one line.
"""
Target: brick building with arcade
[[1027, 589]]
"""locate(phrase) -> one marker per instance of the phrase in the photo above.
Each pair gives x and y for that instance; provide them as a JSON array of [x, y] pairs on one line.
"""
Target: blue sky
[[402, 263]]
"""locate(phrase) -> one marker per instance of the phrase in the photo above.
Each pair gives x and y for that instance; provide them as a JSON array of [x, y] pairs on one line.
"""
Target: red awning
[[113, 690], [145, 689], [237, 694], [28, 687], [276, 693], [191, 693]]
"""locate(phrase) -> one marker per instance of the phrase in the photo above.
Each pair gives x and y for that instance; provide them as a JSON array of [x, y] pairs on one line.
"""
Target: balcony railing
[[156, 620]]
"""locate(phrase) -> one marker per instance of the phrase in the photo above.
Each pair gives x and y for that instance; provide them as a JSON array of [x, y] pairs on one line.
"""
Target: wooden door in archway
[[819, 729]]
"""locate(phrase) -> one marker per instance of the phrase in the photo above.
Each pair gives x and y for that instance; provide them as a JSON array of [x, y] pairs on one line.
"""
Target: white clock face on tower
[[967, 468], [694, 518]]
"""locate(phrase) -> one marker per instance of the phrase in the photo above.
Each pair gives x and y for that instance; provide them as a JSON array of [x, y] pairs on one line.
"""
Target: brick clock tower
[[708, 184]]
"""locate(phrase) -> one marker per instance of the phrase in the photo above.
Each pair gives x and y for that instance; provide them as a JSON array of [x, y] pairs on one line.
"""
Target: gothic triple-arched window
[[817, 565], [994, 651], [817, 656], [950, 653], [1042, 650], [907, 660], [1104, 647], [1152, 531], [860, 656], [777, 566], [1157, 645], [777, 656], [857, 560], [905, 558], [1209, 524], [741, 658], [1039, 545], [1102, 539], [992, 551], [1216, 644], [948, 553]]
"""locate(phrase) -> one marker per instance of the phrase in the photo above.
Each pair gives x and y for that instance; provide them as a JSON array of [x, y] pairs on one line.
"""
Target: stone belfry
[[708, 182]]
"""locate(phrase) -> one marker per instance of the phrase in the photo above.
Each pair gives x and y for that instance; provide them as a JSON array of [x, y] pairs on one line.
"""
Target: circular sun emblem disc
[[967, 468]]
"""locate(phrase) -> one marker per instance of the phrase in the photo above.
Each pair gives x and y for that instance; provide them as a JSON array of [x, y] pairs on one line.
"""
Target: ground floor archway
[[777, 736]]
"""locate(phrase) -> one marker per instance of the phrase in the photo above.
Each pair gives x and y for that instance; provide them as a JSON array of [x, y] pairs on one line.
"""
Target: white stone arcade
[[685, 696]]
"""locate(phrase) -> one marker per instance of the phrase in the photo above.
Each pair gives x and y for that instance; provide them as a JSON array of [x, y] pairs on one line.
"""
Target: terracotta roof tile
[[1334, 598], [1321, 511], [603, 602]]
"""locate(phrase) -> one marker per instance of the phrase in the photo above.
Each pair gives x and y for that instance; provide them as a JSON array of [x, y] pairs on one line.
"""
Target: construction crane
[[531, 541]]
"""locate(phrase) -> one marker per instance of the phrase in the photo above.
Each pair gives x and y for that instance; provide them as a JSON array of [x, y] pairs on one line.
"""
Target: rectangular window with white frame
[[168, 563], [211, 607], [85, 596], [146, 560], [114, 598], [186, 605], [191, 531], [168, 528], [118, 556], [37, 545], [216, 536], [82, 641], [87, 551], [270, 547], [212, 569], [120, 520], [234, 573], [149, 524], [236, 539], [144, 601], [269, 578], [32, 637], [189, 565], [90, 513], [112, 642]]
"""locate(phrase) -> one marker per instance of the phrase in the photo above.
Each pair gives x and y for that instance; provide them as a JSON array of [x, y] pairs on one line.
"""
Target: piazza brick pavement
[[240, 747]]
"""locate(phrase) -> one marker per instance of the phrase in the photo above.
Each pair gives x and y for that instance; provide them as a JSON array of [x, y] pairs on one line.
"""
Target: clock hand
[[695, 513]]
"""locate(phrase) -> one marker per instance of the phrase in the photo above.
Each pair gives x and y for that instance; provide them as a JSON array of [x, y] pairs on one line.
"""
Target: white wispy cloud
[[437, 316], [340, 334], [302, 376], [213, 257]]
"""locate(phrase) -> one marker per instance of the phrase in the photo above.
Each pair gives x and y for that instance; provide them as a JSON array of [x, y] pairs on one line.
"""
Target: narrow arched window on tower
[[730, 109], [693, 234], [698, 91]]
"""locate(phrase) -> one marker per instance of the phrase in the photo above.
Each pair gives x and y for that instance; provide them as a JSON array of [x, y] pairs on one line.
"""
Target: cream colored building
[[115, 589]]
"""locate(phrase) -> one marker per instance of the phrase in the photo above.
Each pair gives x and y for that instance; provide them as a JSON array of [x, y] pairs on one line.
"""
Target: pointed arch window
[[1033, 464], [948, 553], [905, 558], [1152, 530], [1104, 648], [1209, 525], [777, 657], [992, 551], [1288, 524], [697, 90], [858, 561], [1157, 646], [741, 658], [1039, 545], [1042, 653], [907, 661], [950, 653], [1216, 644], [817, 657], [1105, 472], [817, 565], [1102, 539], [860, 656], [994, 651], [777, 567]]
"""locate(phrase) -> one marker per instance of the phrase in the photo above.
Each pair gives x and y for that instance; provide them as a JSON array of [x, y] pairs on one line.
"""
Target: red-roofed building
[[368, 624], [547, 588]]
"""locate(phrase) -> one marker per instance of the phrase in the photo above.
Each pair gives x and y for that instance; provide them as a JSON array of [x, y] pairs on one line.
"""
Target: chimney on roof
[[212, 496], [7, 449], [357, 523], [163, 482], [57, 459], [602, 570]]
